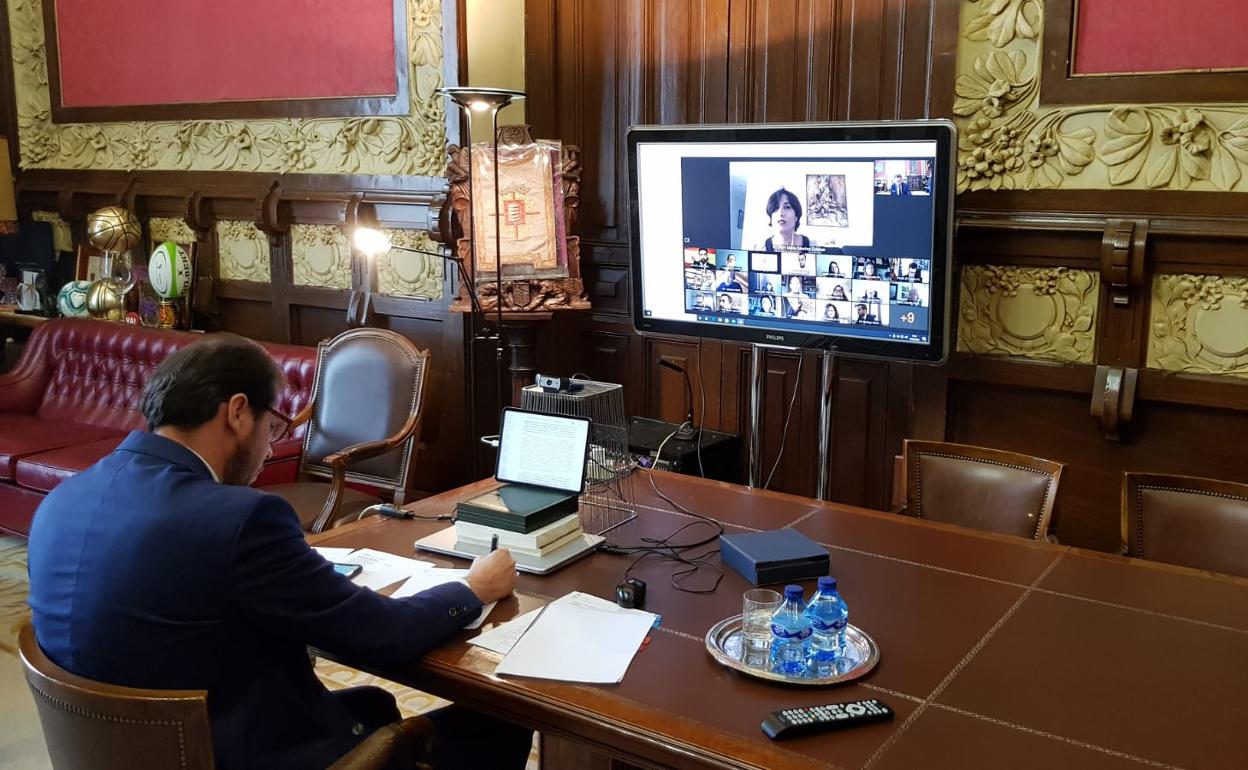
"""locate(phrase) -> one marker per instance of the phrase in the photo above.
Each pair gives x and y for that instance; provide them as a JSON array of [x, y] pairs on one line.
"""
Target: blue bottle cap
[[827, 583], [793, 592]]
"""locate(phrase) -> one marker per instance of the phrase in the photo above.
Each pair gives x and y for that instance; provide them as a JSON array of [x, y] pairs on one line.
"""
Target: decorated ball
[[169, 270], [71, 300], [113, 228]]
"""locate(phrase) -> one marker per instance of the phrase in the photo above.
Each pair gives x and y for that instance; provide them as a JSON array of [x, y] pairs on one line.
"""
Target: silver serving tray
[[725, 643]]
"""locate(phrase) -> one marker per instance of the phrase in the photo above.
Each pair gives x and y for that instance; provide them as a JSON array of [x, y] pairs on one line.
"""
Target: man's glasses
[[279, 427]]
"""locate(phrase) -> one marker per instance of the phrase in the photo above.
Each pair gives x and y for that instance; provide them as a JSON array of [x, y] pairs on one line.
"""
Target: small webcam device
[[551, 384], [631, 594]]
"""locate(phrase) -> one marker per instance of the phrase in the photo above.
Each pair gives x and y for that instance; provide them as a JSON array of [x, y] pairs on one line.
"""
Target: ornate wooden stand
[[521, 330], [527, 303]]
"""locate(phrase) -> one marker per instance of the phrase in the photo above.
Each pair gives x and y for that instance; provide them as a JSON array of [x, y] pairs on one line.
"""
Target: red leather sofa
[[74, 396]]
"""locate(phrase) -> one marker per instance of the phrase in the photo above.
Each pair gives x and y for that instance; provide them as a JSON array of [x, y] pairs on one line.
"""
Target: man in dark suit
[[159, 567], [899, 186]]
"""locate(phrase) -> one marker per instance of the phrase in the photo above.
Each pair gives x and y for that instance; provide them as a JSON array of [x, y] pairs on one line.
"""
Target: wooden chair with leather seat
[[982, 488], [1185, 520], [89, 725], [363, 426]]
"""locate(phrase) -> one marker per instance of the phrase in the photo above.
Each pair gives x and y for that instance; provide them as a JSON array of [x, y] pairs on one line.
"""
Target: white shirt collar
[[211, 470]]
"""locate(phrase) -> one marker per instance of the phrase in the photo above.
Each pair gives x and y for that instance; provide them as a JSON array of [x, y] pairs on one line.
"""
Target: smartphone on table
[[348, 570]]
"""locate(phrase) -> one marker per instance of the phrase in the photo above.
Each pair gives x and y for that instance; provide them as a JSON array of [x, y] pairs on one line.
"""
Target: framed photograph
[[89, 264]]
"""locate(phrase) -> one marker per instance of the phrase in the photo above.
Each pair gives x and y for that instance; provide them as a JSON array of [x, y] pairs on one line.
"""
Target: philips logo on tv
[[775, 337]]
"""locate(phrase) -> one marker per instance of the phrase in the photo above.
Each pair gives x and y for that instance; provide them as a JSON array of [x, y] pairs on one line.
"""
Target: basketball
[[113, 228], [71, 300], [169, 270], [105, 302]]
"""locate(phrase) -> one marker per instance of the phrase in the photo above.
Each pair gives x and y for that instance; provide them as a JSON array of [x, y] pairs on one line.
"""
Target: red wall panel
[[131, 52], [1120, 36]]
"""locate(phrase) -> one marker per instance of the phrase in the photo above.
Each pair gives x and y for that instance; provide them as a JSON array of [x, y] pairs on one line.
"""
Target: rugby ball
[[169, 270], [71, 300]]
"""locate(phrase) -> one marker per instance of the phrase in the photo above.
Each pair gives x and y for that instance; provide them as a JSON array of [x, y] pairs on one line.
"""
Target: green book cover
[[517, 508]]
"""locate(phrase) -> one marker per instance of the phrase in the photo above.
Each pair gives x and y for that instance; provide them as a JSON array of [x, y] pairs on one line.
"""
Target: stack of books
[[529, 521]]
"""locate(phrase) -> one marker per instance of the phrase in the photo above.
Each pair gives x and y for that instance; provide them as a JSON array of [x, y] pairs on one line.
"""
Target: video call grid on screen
[[823, 237]]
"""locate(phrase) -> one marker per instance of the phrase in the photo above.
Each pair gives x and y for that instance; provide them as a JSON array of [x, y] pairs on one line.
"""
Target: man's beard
[[239, 470]]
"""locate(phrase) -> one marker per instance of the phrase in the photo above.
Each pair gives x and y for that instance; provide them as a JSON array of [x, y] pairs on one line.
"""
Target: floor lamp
[[477, 102]]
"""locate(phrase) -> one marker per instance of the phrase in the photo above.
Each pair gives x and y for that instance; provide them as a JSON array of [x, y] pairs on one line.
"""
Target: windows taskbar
[[863, 331]]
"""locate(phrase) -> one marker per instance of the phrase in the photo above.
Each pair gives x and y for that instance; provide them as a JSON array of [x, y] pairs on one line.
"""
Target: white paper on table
[[333, 554], [381, 568], [579, 638], [502, 638], [436, 576]]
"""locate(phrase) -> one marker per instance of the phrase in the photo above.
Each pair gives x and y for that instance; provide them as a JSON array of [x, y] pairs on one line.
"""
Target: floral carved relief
[[1008, 140], [403, 274], [410, 145], [243, 252], [170, 229], [1199, 325], [321, 256], [1043, 313]]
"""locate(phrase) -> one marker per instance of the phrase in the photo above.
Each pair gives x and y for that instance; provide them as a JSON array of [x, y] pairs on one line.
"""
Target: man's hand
[[493, 577]]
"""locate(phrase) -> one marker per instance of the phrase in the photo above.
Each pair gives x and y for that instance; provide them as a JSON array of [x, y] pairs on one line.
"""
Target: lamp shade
[[480, 99], [8, 198]]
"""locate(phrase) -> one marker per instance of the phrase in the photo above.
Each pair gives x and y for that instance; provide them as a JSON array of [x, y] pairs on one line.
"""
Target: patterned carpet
[[21, 740]]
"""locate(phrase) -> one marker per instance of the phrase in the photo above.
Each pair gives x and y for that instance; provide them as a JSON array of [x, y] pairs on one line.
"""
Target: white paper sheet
[[436, 576], [333, 554], [382, 569], [579, 638], [502, 638]]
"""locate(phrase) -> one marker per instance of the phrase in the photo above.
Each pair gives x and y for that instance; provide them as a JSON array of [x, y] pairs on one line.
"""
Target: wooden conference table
[[995, 652]]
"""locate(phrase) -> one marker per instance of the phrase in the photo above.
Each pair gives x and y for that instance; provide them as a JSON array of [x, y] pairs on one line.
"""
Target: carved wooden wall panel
[[170, 229], [1033, 312], [321, 256], [403, 274], [243, 252], [1199, 325]]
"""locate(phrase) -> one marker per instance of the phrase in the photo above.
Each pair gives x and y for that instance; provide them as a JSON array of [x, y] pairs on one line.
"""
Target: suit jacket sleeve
[[280, 582]]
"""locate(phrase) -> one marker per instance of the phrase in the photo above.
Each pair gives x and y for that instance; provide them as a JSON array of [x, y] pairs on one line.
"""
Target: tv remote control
[[785, 723]]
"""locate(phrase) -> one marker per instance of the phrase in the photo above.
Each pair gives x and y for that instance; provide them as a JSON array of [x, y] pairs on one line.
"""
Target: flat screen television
[[829, 236]]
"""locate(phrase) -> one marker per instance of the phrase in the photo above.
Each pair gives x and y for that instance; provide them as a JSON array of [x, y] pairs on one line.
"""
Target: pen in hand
[[493, 543]]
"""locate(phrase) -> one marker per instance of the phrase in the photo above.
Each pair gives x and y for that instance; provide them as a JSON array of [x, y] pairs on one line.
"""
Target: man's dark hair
[[189, 386], [773, 205]]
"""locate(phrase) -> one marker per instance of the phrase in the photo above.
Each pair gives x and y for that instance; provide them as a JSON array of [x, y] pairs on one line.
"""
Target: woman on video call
[[796, 307], [784, 215]]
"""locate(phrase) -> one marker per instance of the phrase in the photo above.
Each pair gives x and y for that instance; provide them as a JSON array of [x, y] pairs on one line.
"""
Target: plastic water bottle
[[790, 633], [828, 616]]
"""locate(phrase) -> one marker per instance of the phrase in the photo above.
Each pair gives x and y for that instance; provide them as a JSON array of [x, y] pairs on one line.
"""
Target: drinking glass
[[757, 607]]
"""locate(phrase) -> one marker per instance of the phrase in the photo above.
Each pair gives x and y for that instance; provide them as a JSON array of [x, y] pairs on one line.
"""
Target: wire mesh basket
[[606, 501]]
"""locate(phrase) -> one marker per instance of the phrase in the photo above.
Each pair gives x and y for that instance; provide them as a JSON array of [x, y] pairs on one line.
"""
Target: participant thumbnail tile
[[731, 281], [700, 256]]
